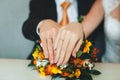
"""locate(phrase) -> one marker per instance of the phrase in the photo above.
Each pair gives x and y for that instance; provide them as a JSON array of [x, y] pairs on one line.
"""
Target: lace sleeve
[[110, 5]]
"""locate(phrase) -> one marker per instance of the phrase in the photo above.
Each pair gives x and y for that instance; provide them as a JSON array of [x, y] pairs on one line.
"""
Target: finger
[[63, 50], [77, 47], [70, 48], [54, 35], [50, 47], [55, 46], [44, 44], [50, 50], [56, 41], [57, 38], [59, 46]]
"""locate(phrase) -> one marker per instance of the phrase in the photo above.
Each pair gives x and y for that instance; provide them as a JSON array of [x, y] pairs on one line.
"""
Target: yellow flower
[[59, 71], [41, 69], [77, 73], [55, 70], [35, 54], [87, 47], [71, 75], [42, 74]]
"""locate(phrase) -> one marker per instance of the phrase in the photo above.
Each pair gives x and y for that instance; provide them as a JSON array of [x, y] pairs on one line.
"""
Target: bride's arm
[[93, 18]]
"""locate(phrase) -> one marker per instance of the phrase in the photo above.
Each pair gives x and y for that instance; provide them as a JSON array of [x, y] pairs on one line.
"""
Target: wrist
[[38, 27]]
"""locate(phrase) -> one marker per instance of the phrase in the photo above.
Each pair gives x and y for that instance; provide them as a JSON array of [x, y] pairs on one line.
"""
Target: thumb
[[77, 47]]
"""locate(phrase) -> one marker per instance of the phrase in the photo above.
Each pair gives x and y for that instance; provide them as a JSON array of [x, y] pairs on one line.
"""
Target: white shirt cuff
[[37, 30]]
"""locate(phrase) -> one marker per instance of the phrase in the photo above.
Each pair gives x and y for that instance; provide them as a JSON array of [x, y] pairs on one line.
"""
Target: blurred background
[[12, 42]]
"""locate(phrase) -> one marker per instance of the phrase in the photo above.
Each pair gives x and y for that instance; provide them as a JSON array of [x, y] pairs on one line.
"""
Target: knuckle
[[65, 61], [53, 29], [50, 51], [74, 35], [67, 31], [48, 31]]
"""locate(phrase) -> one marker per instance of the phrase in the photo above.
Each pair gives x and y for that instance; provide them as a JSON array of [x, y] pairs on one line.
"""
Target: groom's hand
[[48, 32]]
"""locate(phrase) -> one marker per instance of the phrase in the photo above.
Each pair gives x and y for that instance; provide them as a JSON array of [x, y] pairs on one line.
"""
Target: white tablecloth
[[15, 69]]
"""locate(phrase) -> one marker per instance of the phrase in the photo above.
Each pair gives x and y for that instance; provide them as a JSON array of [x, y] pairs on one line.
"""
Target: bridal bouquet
[[79, 68]]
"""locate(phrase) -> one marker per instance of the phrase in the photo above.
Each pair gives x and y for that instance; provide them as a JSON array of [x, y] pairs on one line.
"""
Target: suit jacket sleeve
[[29, 26], [39, 10]]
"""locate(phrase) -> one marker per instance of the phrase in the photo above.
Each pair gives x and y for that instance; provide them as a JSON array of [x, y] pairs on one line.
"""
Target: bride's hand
[[68, 41]]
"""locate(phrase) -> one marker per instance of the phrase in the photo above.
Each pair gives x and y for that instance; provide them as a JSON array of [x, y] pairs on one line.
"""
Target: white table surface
[[15, 69]]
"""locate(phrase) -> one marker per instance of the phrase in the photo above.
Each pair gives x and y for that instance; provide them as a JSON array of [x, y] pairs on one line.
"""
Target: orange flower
[[41, 56], [77, 73], [35, 62], [48, 69], [82, 62], [65, 74], [52, 69], [77, 61]]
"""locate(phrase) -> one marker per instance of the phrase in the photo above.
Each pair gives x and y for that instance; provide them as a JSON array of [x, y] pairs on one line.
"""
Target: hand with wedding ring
[[48, 32], [68, 42]]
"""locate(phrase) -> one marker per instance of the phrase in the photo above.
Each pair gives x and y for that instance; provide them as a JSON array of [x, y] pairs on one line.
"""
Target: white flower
[[90, 66], [38, 63], [42, 63], [63, 66], [87, 63]]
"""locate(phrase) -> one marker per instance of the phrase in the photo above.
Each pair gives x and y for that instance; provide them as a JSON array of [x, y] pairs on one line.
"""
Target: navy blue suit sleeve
[[39, 10]]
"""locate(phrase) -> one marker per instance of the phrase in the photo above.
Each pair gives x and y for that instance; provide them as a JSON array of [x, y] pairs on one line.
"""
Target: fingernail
[[46, 56], [54, 48], [74, 55], [55, 61], [51, 62], [58, 64]]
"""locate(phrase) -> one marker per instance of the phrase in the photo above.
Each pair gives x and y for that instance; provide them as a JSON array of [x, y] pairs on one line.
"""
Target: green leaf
[[38, 47], [95, 72], [79, 53], [86, 77], [80, 19], [90, 77], [31, 63]]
